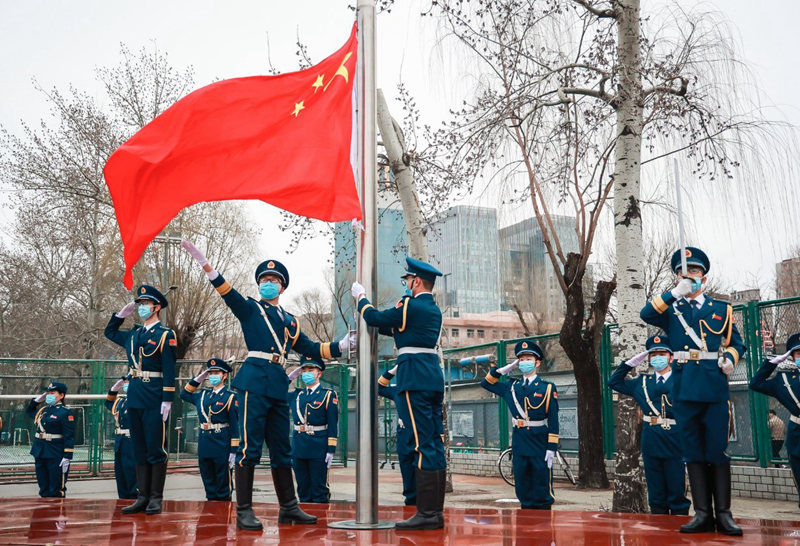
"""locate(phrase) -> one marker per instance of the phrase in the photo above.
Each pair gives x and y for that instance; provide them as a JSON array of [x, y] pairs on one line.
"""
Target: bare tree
[[314, 314]]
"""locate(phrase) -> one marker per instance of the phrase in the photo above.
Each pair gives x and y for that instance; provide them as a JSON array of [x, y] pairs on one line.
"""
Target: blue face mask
[[269, 290], [308, 377], [144, 312], [659, 362], [50, 399], [797, 362], [408, 291], [527, 366], [215, 379], [697, 284], [125, 388]]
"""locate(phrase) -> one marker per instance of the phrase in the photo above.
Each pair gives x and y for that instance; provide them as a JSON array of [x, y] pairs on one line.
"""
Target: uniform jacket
[[118, 406], [319, 408], [213, 408], [150, 350], [776, 387], [55, 419]]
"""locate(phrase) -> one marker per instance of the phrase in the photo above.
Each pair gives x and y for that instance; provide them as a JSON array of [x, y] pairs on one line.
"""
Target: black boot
[[722, 500], [703, 520], [157, 479], [290, 511], [442, 487], [143, 482], [245, 518], [428, 503]]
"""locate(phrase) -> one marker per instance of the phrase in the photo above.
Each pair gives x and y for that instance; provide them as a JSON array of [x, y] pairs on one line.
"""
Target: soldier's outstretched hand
[[41, 397], [198, 256], [683, 288], [358, 291], [127, 310], [780, 358], [350, 341], [508, 367], [638, 359], [118, 385], [295, 373]]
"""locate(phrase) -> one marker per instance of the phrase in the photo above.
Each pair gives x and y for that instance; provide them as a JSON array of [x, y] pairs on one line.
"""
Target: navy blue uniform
[[415, 324], [261, 383], [533, 402], [218, 436], [701, 388], [405, 439], [54, 440], [149, 351], [315, 419], [124, 459], [664, 469]]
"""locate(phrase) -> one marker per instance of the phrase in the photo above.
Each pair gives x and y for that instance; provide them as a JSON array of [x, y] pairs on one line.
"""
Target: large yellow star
[[318, 82], [297, 107]]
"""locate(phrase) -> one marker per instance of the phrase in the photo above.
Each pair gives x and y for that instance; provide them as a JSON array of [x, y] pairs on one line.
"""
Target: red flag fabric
[[284, 139]]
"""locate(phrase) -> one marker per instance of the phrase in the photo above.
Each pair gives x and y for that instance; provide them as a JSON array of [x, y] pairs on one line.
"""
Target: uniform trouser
[[52, 481], [406, 460], [794, 463], [704, 431], [263, 419], [666, 484], [533, 481], [149, 435], [312, 480], [125, 471], [425, 410], [216, 474]]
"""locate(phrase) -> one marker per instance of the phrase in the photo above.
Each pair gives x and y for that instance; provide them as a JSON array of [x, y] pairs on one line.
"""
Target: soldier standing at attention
[[124, 459], [150, 349], [533, 403], [54, 442], [404, 435], [315, 418], [217, 413], [706, 346], [661, 451], [262, 385], [415, 323]]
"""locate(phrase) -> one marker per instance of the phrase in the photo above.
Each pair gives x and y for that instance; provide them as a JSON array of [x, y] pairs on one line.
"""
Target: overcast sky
[[61, 43]]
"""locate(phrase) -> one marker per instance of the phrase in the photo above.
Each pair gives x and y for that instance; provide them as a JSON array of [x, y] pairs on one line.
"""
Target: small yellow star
[[318, 82], [297, 107]]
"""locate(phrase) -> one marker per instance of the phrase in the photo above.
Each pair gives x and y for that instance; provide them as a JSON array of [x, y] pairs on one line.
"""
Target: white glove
[[198, 256], [165, 407], [201, 377], [780, 358], [358, 291], [548, 458], [117, 386], [41, 397], [127, 310], [350, 341], [328, 459], [231, 460], [684, 288], [294, 373], [393, 371], [508, 367], [64, 464], [725, 365], [638, 359]]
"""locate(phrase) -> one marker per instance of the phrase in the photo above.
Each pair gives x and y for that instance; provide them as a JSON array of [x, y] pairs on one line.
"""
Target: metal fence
[[477, 420]]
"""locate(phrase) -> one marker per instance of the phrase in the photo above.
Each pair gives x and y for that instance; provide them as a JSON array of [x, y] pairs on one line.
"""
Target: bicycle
[[506, 467]]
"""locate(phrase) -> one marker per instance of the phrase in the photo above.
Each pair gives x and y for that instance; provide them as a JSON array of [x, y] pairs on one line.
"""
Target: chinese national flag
[[285, 140]]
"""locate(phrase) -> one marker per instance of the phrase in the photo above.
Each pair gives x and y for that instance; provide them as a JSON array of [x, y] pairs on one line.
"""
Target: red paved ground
[[96, 521]]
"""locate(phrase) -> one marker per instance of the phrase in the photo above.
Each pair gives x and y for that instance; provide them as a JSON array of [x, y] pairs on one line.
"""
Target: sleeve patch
[[173, 342], [555, 394], [70, 418]]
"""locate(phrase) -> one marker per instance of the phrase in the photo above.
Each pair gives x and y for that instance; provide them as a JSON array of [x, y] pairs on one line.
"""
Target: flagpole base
[[355, 525]]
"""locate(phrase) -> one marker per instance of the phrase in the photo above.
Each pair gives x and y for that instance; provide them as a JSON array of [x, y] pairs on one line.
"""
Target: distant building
[[744, 296], [476, 328], [787, 278]]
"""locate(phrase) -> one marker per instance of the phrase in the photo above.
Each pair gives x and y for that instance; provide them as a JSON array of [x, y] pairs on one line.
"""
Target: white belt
[[144, 375], [271, 357], [653, 420], [48, 437], [695, 354], [123, 431], [216, 427], [416, 351], [794, 419], [522, 423], [310, 429]]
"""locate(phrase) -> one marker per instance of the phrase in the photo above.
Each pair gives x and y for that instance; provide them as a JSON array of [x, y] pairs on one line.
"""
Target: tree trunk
[[629, 486]]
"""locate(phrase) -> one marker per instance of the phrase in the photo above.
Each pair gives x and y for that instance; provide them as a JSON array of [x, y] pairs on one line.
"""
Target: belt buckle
[[653, 420], [520, 423], [302, 428], [694, 354], [276, 359]]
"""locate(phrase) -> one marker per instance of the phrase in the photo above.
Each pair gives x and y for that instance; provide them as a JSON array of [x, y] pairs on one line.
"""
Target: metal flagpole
[[681, 234], [367, 398]]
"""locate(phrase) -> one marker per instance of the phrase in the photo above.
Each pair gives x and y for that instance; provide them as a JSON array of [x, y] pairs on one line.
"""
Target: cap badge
[[657, 339], [524, 345], [271, 264], [688, 253], [142, 290]]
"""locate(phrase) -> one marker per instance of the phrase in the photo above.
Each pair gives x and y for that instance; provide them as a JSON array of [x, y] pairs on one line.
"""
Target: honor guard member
[[54, 442], [315, 418], [151, 356], [415, 323], [533, 403], [124, 459], [706, 346], [217, 413], [262, 384], [404, 435], [785, 387], [664, 469]]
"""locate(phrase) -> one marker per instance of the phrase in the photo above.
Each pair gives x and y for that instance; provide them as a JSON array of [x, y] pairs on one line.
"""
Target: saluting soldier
[[217, 412], [664, 469], [706, 346], [404, 436], [533, 403], [261, 384], [785, 387], [124, 458], [54, 442], [415, 323], [315, 418], [150, 349]]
